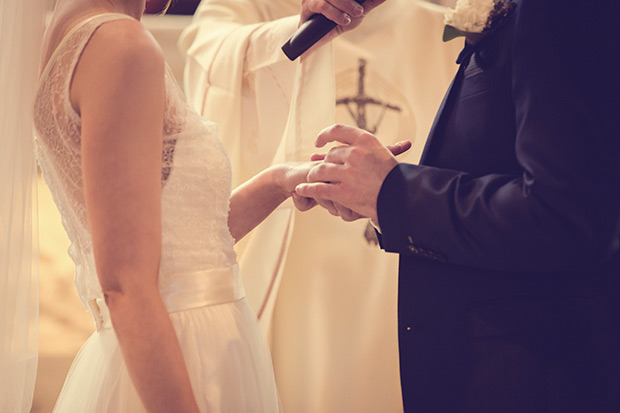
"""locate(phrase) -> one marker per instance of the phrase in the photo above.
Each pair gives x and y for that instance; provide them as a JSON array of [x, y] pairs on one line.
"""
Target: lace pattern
[[195, 174]]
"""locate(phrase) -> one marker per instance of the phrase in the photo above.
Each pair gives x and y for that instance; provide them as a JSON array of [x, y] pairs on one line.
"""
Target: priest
[[331, 322]]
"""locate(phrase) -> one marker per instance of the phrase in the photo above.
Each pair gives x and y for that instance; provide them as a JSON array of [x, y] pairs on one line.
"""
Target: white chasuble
[[324, 291]]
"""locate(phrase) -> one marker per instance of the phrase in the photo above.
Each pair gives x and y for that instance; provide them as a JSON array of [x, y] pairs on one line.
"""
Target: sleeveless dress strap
[[89, 25]]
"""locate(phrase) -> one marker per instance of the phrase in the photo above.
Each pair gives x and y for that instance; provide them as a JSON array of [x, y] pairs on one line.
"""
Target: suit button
[[408, 328]]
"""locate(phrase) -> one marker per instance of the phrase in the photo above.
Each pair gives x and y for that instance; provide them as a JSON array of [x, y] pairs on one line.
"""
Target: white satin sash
[[186, 291]]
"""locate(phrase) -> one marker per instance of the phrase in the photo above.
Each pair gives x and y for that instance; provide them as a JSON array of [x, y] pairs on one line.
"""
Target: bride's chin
[[156, 6]]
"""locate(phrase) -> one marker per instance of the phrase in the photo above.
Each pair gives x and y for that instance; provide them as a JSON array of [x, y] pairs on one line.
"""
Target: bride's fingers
[[303, 203], [317, 157]]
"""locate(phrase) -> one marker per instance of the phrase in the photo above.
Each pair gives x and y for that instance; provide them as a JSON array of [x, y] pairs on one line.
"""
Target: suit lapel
[[445, 106]]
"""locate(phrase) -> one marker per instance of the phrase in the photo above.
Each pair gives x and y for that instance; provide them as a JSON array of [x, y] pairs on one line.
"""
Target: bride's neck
[[133, 8], [67, 13]]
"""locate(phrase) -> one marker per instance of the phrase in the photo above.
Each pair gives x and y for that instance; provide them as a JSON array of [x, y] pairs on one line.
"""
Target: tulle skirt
[[227, 360]]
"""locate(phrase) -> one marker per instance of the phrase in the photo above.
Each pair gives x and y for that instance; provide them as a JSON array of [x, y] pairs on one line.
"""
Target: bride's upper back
[[57, 116]]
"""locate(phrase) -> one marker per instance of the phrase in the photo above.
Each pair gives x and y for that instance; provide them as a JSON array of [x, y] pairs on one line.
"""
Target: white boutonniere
[[474, 18]]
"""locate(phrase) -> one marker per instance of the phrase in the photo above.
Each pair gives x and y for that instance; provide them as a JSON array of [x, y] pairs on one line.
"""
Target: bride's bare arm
[[118, 88], [254, 200]]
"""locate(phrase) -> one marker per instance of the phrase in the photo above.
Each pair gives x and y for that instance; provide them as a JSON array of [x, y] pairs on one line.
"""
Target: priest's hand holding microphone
[[322, 20]]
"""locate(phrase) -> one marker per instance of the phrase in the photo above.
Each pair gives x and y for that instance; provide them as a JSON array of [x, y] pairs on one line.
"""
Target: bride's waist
[[187, 291]]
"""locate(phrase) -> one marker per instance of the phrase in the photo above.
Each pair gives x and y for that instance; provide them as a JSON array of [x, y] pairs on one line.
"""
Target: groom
[[509, 229]]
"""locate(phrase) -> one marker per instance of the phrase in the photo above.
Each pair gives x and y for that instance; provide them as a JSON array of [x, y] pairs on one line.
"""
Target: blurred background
[[64, 324]]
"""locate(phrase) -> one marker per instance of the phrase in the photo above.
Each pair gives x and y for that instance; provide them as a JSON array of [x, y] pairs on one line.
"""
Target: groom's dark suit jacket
[[509, 229]]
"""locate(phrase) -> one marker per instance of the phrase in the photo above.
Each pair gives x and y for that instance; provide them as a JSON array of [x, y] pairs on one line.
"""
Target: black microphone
[[310, 32]]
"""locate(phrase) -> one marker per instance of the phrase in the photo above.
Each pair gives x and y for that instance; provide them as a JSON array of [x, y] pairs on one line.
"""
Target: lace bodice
[[195, 174]]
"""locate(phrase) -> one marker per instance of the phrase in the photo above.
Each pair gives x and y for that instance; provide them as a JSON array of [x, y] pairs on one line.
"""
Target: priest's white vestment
[[324, 292]]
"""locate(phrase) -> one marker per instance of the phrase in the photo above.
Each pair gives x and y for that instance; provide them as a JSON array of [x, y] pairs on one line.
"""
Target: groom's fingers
[[399, 147], [346, 214], [326, 172], [339, 133], [338, 154], [329, 206], [319, 190]]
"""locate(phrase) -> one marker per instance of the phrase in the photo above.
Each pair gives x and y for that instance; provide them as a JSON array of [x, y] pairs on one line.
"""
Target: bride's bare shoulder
[[124, 38], [119, 54]]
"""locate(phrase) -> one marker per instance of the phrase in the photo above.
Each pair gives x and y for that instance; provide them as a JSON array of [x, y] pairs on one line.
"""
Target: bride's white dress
[[227, 359]]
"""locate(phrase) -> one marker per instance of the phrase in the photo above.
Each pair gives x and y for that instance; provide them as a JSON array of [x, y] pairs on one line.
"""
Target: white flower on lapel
[[470, 15], [471, 18]]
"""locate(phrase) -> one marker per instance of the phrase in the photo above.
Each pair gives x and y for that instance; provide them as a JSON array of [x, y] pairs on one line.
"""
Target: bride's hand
[[292, 174], [302, 203]]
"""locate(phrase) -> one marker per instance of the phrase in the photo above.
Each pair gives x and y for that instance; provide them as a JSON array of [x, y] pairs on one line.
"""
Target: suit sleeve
[[563, 210]]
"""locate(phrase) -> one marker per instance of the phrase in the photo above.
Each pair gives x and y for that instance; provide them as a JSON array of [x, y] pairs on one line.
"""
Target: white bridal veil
[[21, 30]]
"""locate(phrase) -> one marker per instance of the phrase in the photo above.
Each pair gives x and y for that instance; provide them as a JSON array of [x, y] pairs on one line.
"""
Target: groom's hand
[[352, 174], [396, 149]]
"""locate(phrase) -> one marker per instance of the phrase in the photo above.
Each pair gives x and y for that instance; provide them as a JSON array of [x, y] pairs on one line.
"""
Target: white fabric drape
[[216, 51], [325, 296], [21, 30]]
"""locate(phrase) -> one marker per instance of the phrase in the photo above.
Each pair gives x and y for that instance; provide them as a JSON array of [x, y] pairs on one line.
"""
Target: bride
[[144, 189], [143, 186]]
